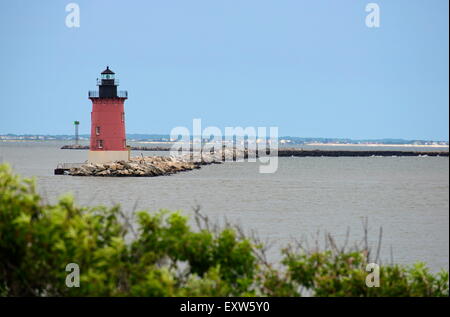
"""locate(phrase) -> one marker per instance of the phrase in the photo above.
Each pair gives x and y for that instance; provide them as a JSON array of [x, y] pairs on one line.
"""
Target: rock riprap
[[143, 166]]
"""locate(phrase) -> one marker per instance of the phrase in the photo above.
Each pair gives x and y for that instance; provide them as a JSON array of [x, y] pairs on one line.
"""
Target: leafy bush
[[164, 256]]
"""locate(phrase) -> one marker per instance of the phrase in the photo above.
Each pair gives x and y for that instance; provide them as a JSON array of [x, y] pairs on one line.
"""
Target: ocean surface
[[307, 197]]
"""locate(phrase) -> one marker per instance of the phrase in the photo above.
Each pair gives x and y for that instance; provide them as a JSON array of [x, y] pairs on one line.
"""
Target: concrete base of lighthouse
[[108, 156]]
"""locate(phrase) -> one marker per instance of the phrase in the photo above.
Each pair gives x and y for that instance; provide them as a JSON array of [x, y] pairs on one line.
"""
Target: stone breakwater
[[299, 152], [144, 166]]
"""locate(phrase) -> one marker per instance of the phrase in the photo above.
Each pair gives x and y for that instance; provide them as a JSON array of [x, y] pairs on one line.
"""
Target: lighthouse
[[108, 141]]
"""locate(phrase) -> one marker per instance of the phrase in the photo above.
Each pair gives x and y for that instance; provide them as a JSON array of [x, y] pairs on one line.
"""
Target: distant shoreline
[[284, 144]]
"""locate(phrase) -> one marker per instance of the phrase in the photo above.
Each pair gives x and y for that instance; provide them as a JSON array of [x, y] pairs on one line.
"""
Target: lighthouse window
[[107, 76], [100, 144], [123, 116], [97, 130]]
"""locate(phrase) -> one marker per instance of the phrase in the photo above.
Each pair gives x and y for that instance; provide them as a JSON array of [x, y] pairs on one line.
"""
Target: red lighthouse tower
[[108, 141]]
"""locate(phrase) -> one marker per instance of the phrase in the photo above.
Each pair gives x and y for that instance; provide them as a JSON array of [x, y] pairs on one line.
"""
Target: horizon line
[[280, 137]]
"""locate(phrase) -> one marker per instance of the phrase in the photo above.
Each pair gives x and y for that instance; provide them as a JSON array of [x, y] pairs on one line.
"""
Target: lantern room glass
[[107, 76]]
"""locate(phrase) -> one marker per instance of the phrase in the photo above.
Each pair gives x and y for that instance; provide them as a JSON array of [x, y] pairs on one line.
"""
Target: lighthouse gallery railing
[[120, 94]]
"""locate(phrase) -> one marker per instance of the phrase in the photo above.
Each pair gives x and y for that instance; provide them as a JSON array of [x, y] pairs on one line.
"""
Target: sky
[[311, 68]]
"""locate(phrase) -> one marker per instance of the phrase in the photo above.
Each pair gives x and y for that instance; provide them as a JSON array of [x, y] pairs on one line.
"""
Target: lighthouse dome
[[107, 73]]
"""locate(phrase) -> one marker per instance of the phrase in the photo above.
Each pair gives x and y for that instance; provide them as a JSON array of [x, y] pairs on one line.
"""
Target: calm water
[[407, 196]]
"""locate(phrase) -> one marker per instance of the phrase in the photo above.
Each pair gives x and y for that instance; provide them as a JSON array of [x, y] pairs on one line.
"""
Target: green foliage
[[166, 257], [335, 273]]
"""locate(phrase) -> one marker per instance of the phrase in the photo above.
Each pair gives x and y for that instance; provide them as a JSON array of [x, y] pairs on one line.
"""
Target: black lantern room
[[107, 85]]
